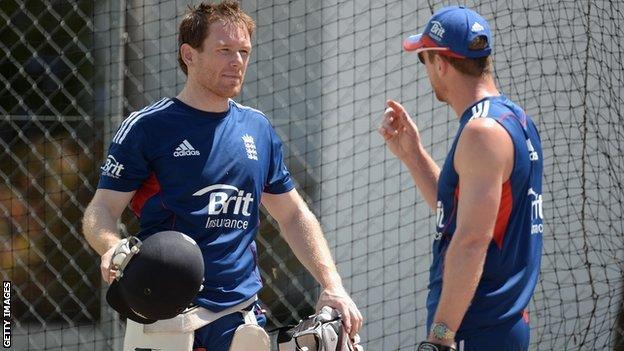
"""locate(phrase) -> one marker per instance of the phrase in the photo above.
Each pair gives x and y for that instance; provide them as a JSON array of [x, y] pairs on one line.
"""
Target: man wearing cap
[[487, 196], [201, 164]]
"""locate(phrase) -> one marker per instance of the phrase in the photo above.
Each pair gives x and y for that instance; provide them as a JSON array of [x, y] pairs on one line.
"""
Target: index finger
[[108, 274], [398, 108]]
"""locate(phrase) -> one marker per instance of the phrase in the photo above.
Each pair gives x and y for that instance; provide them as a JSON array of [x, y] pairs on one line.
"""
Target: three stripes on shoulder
[[129, 122]]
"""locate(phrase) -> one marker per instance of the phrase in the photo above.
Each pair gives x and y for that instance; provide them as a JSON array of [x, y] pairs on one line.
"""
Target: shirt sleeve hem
[[280, 188]]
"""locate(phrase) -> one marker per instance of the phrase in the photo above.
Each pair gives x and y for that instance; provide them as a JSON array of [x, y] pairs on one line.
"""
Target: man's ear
[[441, 64], [187, 53]]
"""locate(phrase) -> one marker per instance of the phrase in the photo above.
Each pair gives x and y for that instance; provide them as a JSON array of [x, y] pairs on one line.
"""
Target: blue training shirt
[[513, 258], [202, 174]]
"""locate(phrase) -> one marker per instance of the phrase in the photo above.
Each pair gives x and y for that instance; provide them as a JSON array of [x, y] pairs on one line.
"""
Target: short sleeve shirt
[[202, 174]]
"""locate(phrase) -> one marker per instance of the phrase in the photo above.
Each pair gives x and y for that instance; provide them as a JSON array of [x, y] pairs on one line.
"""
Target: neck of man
[[201, 98], [465, 91]]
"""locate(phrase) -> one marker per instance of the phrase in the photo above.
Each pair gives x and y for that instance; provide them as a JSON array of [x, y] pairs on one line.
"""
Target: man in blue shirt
[[201, 164], [487, 196]]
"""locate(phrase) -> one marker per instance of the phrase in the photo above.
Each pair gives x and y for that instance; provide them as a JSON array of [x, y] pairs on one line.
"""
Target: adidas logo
[[476, 27], [185, 149]]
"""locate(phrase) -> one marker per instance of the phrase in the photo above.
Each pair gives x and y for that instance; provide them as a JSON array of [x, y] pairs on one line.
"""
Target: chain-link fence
[[70, 71], [51, 147]]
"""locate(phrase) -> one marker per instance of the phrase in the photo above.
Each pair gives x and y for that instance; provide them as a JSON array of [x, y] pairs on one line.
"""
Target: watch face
[[441, 332]]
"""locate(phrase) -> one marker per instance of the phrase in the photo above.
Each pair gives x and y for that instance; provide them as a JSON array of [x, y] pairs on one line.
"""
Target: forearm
[[100, 228], [463, 267], [425, 173], [303, 234]]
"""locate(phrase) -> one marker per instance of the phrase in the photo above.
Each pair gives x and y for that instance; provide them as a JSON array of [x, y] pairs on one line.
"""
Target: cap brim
[[118, 303], [413, 42], [419, 43]]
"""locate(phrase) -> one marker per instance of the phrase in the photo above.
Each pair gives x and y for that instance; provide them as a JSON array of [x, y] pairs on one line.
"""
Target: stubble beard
[[228, 91], [225, 91]]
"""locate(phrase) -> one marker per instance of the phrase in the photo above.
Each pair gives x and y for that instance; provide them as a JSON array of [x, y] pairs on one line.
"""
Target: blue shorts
[[217, 336], [511, 336]]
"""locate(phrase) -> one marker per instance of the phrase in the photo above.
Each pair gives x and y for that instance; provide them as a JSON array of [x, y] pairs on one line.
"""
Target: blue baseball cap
[[450, 31]]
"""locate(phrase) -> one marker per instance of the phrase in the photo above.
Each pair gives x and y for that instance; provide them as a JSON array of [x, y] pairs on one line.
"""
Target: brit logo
[[226, 200], [439, 221], [112, 168], [436, 30], [185, 149], [250, 147], [440, 215], [537, 213]]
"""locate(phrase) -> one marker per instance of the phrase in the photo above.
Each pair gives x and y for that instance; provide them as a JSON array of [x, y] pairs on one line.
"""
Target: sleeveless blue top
[[513, 258]]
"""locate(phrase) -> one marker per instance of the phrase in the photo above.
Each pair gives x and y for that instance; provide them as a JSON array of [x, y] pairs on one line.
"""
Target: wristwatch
[[429, 346], [441, 332]]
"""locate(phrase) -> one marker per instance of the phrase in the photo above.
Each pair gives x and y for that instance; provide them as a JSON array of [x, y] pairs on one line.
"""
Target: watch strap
[[430, 346]]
